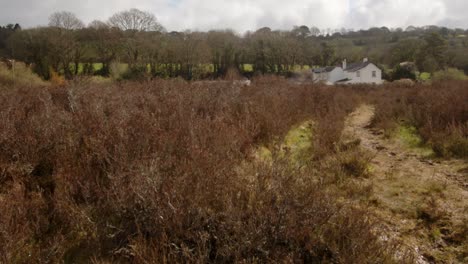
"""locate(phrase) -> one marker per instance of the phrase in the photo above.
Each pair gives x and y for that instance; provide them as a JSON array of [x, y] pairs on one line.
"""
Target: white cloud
[[242, 15]]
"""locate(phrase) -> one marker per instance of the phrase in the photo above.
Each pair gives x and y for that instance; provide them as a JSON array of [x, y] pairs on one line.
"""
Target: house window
[[358, 74], [374, 74]]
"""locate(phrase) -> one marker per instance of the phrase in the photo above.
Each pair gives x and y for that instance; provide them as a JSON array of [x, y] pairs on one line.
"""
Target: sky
[[243, 15]]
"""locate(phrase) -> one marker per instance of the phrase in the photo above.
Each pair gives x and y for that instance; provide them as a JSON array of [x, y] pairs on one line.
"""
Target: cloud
[[245, 15], [242, 15], [396, 13]]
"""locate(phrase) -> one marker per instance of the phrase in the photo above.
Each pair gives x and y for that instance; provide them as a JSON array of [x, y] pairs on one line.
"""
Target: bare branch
[[65, 20], [135, 19]]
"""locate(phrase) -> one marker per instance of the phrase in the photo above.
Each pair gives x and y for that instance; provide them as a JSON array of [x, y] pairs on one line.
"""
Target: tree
[[302, 31], [224, 51], [436, 47], [65, 20], [5, 33], [136, 20], [405, 50], [32, 47], [105, 44], [264, 30], [411, 29], [403, 72], [328, 54], [428, 64], [48, 48], [97, 24], [315, 31], [192, 54]]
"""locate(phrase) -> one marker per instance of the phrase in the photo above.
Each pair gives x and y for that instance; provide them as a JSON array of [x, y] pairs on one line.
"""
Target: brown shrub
[[439, 112], [154, 172]]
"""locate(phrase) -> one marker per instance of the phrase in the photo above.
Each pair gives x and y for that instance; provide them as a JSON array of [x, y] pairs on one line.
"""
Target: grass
[[422, 204], [410, 138], [21, 75], [96, 67], [296, 146], [298, 142], [424, 76], [207, 67], [436, 111], [403, 194], [419, 205]]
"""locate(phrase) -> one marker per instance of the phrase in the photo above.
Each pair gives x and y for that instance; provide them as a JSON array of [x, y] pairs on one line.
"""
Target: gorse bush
[[163, 172]]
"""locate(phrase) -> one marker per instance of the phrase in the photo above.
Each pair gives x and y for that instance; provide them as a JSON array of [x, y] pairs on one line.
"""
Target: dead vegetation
[[163, 171], [439, 112]]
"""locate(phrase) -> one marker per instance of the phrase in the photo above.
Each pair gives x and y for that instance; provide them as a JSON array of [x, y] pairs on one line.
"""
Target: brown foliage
[[439, 112], [152, 172]]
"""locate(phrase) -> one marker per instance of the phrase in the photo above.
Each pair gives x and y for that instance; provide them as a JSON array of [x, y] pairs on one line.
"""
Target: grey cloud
[[242, 15]]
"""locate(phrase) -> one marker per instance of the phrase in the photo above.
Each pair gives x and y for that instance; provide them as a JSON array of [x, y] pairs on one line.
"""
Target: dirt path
[[424, 202]]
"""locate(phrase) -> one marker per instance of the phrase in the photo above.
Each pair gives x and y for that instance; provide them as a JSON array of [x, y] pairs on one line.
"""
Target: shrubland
[[171, 171], [438, 113], [166, 171]]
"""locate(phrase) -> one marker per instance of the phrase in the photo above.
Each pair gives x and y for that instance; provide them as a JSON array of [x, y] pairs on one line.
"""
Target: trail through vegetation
[[422, 201]]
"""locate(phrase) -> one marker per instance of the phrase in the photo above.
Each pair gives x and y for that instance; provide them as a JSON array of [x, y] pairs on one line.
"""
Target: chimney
[[344, 64], [365, 60]]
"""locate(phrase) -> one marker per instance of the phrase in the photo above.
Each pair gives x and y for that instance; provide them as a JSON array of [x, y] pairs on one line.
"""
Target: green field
[[208, 67]]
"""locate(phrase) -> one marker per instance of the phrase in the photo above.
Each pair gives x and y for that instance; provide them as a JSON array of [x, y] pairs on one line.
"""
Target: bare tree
[[65, 20], [135, 19], [98, 24]]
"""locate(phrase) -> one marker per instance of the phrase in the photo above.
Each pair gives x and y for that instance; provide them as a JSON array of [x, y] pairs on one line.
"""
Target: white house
[[329, 75], [355, 73]]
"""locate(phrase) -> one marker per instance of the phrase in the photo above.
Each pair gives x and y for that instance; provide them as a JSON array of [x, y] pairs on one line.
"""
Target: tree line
[[136, 38]]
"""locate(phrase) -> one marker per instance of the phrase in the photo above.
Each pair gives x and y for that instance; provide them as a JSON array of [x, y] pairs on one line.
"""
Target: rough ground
[[423, 201]]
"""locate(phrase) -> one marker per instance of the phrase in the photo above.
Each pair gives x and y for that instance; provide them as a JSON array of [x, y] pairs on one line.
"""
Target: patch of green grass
[[298, 68], [409, 136], [424, 76], [117, 70], [96, 67], [295, 146], [247, 67], [299, 137], [298, 141]]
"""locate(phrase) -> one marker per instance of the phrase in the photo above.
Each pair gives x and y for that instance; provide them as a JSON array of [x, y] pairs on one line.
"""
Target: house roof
[[325, 69], [357, 66], [343, 80]]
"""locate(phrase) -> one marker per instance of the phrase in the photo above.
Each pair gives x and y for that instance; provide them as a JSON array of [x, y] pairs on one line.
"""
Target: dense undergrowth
[[438, 112], [164, 171]]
